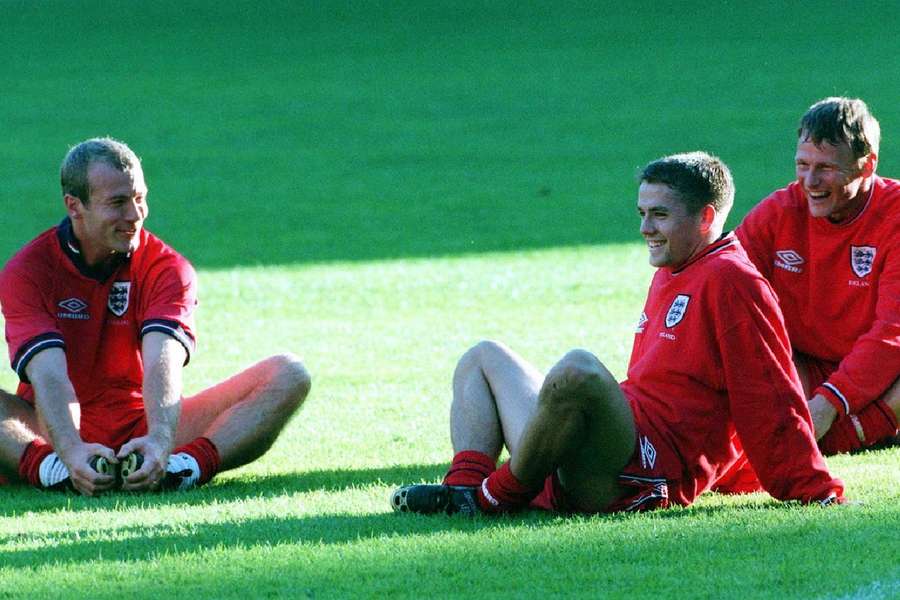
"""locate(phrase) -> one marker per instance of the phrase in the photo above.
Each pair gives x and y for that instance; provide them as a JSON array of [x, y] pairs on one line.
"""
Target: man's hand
[[153, 469], [86, 480], [822, 413]]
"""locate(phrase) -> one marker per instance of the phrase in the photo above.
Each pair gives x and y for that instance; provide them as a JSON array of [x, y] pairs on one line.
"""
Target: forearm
[[771, 416], [54, 398], [162, 390]]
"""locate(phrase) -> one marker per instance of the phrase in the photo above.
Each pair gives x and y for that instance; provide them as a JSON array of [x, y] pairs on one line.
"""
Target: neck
[[714, 234], [92, 256], [711, 236]]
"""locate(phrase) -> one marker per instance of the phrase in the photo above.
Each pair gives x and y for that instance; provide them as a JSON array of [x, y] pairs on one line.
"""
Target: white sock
[[52, 470], [184, 465]]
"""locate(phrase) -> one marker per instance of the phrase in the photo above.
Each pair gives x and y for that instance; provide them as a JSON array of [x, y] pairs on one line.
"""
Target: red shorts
[[99, 425], [643, 476], [113, 430], [817, 370]]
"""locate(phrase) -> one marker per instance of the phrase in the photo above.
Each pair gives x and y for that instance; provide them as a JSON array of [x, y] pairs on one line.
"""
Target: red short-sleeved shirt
[[52, 299]]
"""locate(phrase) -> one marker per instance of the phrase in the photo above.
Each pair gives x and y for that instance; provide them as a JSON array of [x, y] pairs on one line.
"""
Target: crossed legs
[[242, 415]]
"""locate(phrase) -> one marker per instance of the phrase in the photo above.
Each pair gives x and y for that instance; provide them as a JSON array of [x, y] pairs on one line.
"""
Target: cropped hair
[[839, 120], [697, 177], [73, 174]]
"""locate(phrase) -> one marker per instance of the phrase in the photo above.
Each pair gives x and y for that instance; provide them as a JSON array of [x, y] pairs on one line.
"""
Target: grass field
[[377, 186]]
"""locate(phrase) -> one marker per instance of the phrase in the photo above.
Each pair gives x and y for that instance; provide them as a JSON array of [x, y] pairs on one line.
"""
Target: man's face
[[672, 235], [831, 179], [113, 219]]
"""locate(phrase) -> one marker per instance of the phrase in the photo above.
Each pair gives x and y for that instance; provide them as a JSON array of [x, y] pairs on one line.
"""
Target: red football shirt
[[838, 285], [711, 361], [51, 298]]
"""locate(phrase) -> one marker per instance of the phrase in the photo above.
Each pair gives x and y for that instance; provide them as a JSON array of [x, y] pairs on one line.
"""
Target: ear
[[74, 206], [707, 218], [868, 168]]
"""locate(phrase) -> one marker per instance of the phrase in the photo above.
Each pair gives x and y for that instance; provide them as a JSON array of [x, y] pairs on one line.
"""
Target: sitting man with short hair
[[710, 362], [99, 322], [829, 243]]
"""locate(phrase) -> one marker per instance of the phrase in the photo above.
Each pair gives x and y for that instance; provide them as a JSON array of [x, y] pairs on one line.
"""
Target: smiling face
[[673, 236], [834, 183], [112, 220]]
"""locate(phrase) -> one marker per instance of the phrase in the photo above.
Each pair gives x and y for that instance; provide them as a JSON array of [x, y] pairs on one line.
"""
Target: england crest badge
[[861, 259], [677, 310], [118, 297]]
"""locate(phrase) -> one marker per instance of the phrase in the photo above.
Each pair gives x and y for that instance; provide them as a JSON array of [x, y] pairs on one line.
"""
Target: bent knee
[[892, 398], [578, 377], [482, 353], [291, 373]]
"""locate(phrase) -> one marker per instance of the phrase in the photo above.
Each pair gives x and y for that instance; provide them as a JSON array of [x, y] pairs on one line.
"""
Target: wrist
[[836, 400], [162, 438], [64, 445]]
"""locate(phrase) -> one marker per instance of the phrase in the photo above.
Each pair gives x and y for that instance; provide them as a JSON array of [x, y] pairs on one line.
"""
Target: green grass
[[376, 187]]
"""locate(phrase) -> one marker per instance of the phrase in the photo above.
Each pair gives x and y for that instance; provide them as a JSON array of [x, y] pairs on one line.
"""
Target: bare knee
[[292, 377], [892, 398], [480, 356], [577, 381]]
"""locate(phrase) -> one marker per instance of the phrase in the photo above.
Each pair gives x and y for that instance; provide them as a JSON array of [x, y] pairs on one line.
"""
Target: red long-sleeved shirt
[[711, 361], [838, 286]]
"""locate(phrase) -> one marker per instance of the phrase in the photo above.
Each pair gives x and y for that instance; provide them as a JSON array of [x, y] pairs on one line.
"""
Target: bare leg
[[892, 398], [494, 395], [583, 428], [18, 428], [803, 372], [244, 414]]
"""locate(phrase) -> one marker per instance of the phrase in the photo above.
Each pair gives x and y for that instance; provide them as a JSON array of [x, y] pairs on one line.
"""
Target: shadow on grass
[[140, 543], [137, 543], [17, 499]]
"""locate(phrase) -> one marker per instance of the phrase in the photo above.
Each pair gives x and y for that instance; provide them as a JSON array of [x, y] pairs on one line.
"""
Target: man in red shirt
[[829, 244], [710, 361], [99, 323]]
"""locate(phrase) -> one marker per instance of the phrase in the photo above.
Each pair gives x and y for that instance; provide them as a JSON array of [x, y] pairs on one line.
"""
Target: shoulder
[[887, 199], [785, 200], [769, 216], [732, 279], [33, 255], [155, 257]]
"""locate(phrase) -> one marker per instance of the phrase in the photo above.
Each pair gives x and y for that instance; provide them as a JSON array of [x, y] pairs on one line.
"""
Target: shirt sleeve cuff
[[173, 329], [835, 397], [31, 348]]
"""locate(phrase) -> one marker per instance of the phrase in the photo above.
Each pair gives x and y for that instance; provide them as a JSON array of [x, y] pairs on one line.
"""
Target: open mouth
[[653, 244]]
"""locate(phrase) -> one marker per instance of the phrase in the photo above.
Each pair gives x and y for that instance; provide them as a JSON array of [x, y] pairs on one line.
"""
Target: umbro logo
[[648, 453], [74, 305], [789, 260], [73, 309], [642, 322]]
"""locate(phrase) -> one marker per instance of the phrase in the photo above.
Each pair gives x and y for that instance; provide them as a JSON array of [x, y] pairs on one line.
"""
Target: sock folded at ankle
[[852, 432], [207, 456], [31, 459], [469, 468], [503, 492]]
